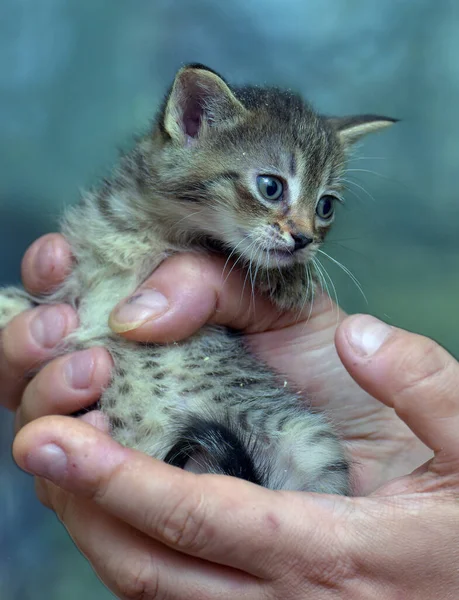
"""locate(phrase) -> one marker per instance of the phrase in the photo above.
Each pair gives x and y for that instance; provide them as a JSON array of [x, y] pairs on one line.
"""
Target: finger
[[408, 372], [220, 519], [189, 290], [28, 341], [46, 263], [66, 385], [97, 419], [133, 566]]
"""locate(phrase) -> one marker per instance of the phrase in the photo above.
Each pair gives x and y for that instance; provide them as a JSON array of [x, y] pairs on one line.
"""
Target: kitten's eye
[[270, 188], [325, 207]]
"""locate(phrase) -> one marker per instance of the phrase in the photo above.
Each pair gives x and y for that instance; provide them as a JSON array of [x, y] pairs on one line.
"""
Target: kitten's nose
[[301, 241]]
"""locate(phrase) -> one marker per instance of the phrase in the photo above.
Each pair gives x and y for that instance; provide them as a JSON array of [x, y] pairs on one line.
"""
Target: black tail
[[213, 448]]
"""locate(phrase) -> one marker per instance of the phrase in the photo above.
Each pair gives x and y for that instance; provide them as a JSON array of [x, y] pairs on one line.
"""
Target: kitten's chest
[[96, 304], [95, 288]]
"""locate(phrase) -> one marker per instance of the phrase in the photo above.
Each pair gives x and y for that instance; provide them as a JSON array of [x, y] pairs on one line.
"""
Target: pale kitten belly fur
[[157, 390]]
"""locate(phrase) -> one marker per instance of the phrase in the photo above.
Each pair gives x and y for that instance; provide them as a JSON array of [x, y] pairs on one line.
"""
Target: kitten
[[253, 173]]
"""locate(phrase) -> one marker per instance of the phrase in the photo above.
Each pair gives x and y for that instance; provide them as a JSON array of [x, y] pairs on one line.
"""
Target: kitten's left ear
[[199, 99], [351, 129]]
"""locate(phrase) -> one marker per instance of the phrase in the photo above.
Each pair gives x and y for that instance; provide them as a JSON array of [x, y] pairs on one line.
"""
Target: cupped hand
[[198, 290], [153, 531]]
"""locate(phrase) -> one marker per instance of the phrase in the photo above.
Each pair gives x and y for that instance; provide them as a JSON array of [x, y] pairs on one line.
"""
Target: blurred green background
[[79, 77]]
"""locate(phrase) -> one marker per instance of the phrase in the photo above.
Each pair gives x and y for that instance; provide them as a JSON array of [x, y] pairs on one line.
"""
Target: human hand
[[300, 346], [153, 531], [28, 342]]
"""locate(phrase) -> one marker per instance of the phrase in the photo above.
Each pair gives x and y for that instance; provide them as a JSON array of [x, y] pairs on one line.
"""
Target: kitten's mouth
[[279, 256], [277, 252], [272, 257]]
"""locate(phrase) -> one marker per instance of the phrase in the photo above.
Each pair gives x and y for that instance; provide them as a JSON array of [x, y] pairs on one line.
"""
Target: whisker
[[350, 191], [352, 158], [267, 273], [348, 248], [248, 271], [258, 266], [252, 289], [370, 172], [347, 271], [278, 266], [306, 295], [360, 188], [335, 293], [253, 277], [229, 258], [311, 278], [350, 239], [198, 212], [323, 281], [255, 245]]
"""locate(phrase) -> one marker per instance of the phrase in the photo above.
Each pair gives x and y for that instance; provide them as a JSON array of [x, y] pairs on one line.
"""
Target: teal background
[[79, 77]]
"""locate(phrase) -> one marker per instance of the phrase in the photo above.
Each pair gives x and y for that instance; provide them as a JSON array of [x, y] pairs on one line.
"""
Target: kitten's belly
[[155, 387], [157, 390]]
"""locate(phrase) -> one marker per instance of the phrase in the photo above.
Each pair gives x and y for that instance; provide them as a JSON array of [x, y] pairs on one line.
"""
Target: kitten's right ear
[[351, 129], [199, 98]]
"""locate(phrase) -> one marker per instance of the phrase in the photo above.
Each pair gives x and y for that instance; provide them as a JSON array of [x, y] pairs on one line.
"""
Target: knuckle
[[340, 568], [426, 365], [37, 397], [45, 390], [42, 492], [138, 578], [11, 343], [333, 565], [102, 490], [60, 501], [336, 573], [16, 352], [184, 526]]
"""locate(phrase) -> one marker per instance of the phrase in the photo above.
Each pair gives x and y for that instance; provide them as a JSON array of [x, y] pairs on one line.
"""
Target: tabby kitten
[[252, 173]]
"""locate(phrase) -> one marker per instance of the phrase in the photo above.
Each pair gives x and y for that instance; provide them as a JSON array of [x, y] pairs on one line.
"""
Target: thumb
[[215, 518], [409, 373], [186, 292]]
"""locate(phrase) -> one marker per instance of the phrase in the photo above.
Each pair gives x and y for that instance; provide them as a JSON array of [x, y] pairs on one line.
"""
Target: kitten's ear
[[199, 98], [351, 129]]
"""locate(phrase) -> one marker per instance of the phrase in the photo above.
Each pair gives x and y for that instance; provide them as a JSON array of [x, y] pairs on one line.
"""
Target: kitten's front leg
[[290, 288], [13, 301]]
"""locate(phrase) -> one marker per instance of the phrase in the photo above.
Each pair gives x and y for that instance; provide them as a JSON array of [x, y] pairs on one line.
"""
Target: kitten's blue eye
[[325, 207], [270, 187]]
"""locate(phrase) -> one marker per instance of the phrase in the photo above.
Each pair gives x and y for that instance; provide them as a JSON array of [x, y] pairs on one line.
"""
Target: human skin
[[152, 531]]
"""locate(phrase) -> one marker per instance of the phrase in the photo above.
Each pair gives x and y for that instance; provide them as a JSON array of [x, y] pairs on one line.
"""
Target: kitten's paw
[[13, 301]]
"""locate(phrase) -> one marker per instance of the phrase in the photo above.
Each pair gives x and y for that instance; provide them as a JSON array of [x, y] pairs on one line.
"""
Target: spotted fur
[[191, 184]]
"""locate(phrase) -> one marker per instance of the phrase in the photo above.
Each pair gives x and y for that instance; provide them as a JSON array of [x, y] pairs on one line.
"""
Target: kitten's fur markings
[[193, 183]]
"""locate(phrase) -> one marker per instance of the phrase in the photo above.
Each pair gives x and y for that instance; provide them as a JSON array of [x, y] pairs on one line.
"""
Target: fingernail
[[367, 334], [144, 306], [48, 327], [78, 370], [47, 461], [44, 260]]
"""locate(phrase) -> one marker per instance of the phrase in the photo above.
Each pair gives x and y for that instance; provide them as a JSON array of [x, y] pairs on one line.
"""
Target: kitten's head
[[254, 171]]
